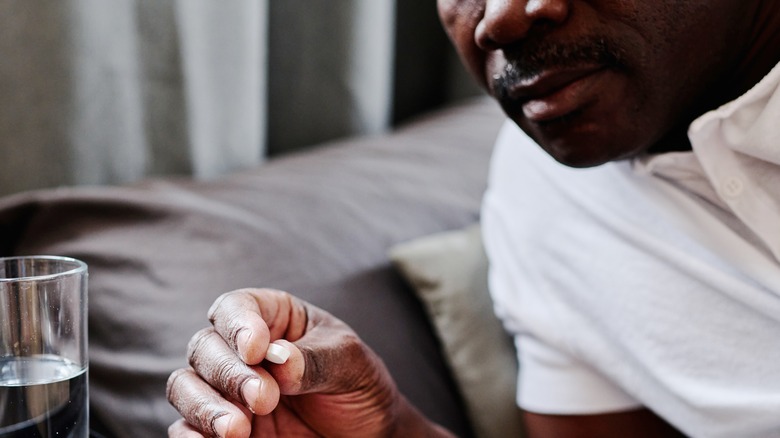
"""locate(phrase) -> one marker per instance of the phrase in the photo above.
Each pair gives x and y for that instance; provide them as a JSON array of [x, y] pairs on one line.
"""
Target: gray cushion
[[449, 271], [317, 224]]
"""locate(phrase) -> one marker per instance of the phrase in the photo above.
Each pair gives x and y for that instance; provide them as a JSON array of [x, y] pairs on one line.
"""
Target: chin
[[578, 158], [582, 145], [583, 154]]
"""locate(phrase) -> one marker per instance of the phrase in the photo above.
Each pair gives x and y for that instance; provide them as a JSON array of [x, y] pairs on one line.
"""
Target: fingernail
[[277, 354], [222, 425], [244, 337], [251, 392]]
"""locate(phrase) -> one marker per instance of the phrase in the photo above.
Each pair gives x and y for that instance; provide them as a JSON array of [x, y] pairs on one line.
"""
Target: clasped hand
[[331, 385]]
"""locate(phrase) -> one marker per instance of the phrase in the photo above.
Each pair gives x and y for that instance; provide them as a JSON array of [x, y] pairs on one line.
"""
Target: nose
[[507, 21]]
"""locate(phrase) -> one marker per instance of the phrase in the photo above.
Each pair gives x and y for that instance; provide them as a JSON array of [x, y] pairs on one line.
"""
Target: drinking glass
[[43, 347]]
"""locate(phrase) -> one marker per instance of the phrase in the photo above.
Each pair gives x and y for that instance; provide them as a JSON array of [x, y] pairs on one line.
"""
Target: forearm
[[640, 423]]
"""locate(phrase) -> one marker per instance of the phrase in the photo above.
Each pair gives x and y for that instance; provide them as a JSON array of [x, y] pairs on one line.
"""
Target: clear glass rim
[[78, 267]]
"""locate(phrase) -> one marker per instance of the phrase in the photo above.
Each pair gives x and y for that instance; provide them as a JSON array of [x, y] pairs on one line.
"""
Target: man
[[644, 293]]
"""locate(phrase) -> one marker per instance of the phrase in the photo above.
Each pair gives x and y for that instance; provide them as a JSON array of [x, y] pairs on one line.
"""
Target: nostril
[[483, 38], [503, 23]]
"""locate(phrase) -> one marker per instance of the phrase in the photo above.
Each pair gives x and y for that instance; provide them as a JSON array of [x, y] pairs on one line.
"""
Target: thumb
[[328, 358]]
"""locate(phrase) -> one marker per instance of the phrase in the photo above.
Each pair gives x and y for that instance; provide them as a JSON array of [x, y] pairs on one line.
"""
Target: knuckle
[[271, 291], [196, 343], [214, 312], [198, 409], [211, 313], [231, 376], [352, 346], [225, 370], [274, 295], [233, 328], [227, 318], [281, 294], [172, 383], [205, 416], [221, 369], [347, 353]]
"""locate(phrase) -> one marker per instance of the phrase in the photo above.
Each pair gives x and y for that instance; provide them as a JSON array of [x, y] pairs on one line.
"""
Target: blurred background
[[111, 91]]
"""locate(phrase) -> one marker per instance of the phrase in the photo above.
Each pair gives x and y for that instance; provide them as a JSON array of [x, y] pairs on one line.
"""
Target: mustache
[[531, 57]]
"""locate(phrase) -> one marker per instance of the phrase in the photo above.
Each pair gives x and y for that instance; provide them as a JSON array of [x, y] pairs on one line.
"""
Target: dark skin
[[630, 76], [332, 384], [591, 81]]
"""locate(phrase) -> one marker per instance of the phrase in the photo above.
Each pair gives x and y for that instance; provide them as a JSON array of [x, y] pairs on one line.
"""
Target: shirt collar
[[735, 161], [749, 124]]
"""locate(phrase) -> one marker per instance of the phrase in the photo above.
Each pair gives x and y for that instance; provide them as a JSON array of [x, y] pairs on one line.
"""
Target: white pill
[[277, 354]]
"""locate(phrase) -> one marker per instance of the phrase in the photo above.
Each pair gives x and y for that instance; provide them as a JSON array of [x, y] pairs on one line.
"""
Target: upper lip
[[548, 82]]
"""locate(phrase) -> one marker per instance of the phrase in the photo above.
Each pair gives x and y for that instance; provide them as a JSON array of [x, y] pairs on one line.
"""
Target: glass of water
[[43, 347]]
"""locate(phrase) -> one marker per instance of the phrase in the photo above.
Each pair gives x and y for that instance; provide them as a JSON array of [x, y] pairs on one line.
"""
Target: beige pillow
[[448, 271]]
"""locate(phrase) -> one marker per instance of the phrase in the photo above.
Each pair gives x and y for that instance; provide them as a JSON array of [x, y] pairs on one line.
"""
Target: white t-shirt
[[649, 282]]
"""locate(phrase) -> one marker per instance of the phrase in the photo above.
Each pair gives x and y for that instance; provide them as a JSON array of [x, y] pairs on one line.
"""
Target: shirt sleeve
[[551, 382]]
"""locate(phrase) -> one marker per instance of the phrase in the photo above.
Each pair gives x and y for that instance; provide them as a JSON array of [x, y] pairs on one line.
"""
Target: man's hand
[[331, 385]]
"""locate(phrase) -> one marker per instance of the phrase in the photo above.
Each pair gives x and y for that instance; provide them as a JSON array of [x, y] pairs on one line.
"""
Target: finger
[[216, 363], [325, 354], [249, 319], [329, 358], [236, 316], [182, 429], [204, 408]]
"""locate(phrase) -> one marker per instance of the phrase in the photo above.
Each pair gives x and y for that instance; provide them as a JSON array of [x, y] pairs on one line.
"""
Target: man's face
[[597, 80]]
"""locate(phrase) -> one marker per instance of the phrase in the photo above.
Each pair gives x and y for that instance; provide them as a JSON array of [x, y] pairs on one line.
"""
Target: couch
[[323, 224]]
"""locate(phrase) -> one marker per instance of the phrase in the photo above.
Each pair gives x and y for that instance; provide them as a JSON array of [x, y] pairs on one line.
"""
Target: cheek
[[474, 59], [460, 19]]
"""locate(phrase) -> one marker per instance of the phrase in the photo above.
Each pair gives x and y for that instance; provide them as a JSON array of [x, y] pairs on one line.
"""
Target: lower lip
[[563, 101]]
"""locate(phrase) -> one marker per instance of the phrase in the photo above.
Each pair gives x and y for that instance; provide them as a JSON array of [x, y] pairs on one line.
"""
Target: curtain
[[112, 91]]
